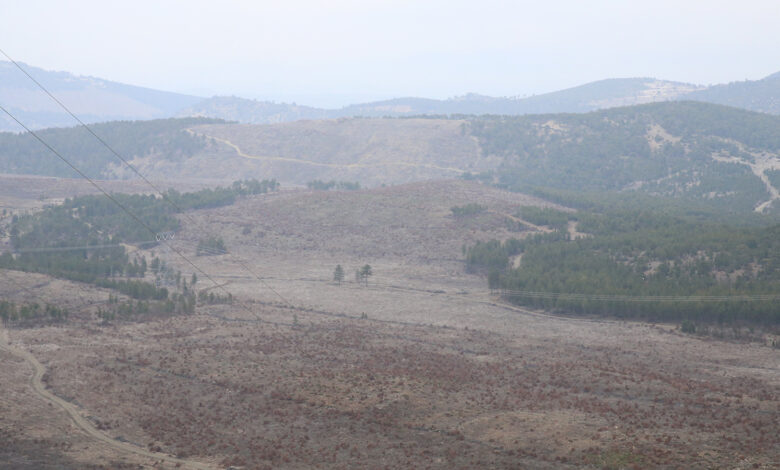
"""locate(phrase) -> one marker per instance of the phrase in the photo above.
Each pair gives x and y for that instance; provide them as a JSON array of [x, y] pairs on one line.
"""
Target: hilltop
[[589, 97], [713, 154], [728, 156], [92, 99], [98, 100], [757, 95]]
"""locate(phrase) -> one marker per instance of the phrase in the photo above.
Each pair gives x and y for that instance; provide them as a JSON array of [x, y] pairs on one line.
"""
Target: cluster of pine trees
[[467, 209], [176, 303], [31, 313], [632, 259], [84, 240]]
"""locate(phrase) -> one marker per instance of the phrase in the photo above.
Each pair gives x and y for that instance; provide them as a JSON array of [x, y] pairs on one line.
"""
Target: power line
[[126, 163], [528, 294], [113, 199]]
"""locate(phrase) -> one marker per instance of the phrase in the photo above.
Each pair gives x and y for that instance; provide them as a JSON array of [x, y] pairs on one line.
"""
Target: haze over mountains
[[96, 100], [92, 99], [647, 136]]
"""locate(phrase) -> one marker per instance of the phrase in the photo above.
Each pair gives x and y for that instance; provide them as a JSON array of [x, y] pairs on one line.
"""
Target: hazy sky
[[338, 51]]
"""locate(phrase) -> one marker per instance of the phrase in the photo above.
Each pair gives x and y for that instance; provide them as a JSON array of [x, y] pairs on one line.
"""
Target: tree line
[[31, 313], [613, 149], [319, 185], [22, 153], [639, 253], [84, 239]]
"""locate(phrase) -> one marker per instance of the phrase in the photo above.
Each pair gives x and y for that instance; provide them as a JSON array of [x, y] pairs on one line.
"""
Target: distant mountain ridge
[[756, 95], [98, 100], [91, 99], [589, 97]]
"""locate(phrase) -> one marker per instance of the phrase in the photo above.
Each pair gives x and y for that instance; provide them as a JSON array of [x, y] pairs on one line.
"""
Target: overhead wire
[[121, 206], [211, 251], [130, 166]]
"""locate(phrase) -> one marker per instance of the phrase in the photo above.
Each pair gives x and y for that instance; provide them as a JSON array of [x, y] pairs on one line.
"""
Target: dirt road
[[241, 153], [80, 421]]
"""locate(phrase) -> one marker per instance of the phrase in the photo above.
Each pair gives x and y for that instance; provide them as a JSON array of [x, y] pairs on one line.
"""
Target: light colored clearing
[[552, 127], [397, 108], [657, 137], [653, 92], [346, 166], [763, 163], [75, 415], [508, 428], [538, 228], [573, 233]]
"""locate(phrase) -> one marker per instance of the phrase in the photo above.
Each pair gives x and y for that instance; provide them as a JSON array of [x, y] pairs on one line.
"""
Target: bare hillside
[[372, 151], [418, 368], [405, 223]]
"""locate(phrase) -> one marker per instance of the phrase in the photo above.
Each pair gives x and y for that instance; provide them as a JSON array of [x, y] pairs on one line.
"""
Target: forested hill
[[588, 97], [248, 111], [757, 95], [97, 100], [23, 153], [639, 259], [722, 156], [680, 149]]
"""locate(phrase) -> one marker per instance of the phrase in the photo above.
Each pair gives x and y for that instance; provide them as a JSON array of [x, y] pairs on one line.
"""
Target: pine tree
[[338, 274], [365, 272]]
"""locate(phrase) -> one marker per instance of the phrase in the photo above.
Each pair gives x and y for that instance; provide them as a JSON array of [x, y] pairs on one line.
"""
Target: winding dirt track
[[82, 423], [241, 153]]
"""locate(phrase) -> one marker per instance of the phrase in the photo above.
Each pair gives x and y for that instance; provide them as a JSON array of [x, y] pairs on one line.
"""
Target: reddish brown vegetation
[[335, 393]]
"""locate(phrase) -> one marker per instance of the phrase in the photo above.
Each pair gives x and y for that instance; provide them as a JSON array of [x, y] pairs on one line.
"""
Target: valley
[[389, 236], [419, 367]]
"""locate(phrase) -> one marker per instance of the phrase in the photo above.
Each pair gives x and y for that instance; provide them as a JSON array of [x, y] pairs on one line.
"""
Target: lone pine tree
[[338, 274]]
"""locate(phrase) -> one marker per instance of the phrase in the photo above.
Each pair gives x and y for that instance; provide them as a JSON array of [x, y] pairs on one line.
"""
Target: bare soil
[[419, 369]]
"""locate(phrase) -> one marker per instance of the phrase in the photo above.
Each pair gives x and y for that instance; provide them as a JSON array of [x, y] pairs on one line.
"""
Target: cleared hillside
[[418, 368], [405, 222], [714, 154], [371, 151]]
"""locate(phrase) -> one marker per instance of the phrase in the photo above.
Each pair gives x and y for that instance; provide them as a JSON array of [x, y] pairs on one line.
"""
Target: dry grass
[[372, 151], [437, 376]]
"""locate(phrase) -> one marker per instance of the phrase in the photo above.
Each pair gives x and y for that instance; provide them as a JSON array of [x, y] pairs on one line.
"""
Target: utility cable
[[126, 163], [119, 204]]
